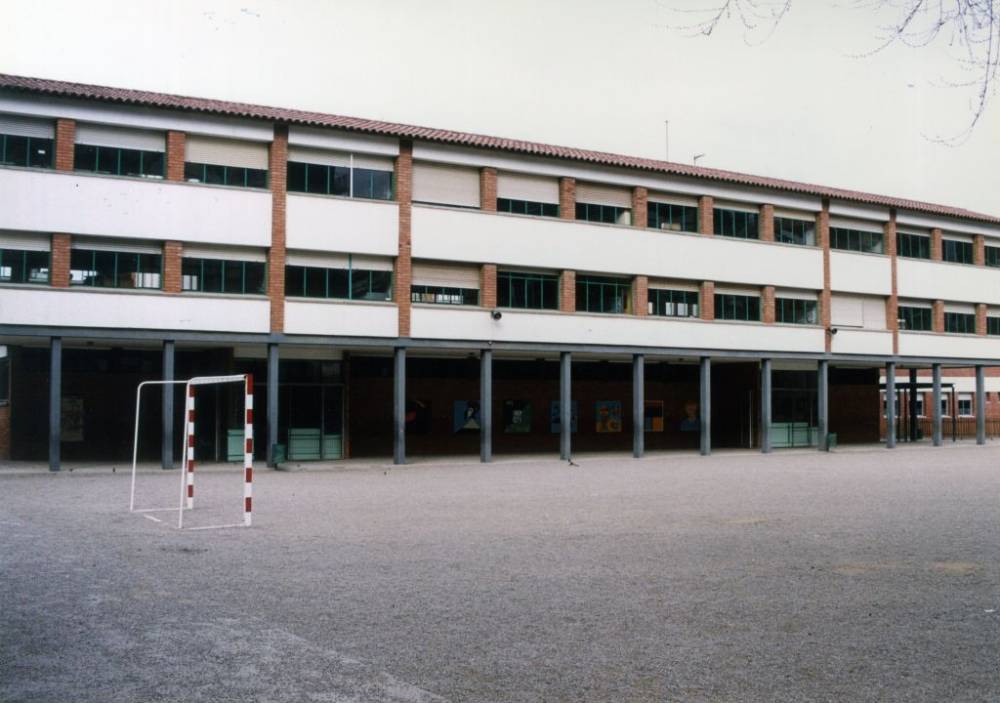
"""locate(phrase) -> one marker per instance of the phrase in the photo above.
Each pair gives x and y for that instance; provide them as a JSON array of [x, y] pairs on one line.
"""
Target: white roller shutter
[[794, 215], [226, 152], [536, 189], [21, 126], [318, 156], [795, 294], [956, 238], [664, 284], [847, 311], [126, 245], [371, 263], [965, 308], [874, 313], [317, 260], [603, 195], [445, 275], [25, 240], [738, 207], [446, 185], [861, 225], [120, 137], [203, 251], [737, 290], [376, 163], [671, 199]]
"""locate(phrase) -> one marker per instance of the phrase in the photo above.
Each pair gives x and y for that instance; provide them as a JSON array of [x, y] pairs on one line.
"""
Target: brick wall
[[706, 205], [403, 272], [823, 240], [892, 302], [488, 189], [488, 286], [767, 305], [640, 211], [979, 250], [640, 295], [65, 144], [936, 244], [59, 267], [766, 223], [567, 198], [277, 165], [707, 300], [176, 148], [173, 253], [4, 432], [981, 313], [567, 291], [937, 316]]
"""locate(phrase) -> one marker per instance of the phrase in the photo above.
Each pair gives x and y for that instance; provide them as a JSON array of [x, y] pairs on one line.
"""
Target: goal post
[[188, 444]]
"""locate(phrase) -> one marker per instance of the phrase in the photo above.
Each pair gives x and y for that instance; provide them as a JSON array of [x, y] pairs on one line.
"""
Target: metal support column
[[823, 406], [167, 447], [55, 402], [705, 405], [272, 404], [980, 406], [638, 405], [486, 405], [565, 405], [890, 405], [399, 406], [914, 422], [765, 406], [936, 400]]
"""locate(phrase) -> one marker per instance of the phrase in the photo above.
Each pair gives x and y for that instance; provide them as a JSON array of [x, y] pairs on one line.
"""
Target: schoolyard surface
[[855, 576]]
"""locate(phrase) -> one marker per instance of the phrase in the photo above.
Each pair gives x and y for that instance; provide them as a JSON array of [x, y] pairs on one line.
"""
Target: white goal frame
[[187, 447]]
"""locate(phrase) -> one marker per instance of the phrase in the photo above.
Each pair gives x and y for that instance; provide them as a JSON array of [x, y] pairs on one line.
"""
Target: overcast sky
[[601, 75]]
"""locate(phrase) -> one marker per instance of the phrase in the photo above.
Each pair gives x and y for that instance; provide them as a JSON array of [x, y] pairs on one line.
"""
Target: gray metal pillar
[[936, 400], [55, 402], [167, 447], [890, 405], [980, 406], [823, 405], [399, 406], [638, 405], [486, 405], [565, 405], [765, 406], [705, 405], [272, 404], [914, 423]]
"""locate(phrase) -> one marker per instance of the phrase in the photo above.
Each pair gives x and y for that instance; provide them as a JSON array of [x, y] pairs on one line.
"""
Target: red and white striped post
[[189, 447], [248, 452]]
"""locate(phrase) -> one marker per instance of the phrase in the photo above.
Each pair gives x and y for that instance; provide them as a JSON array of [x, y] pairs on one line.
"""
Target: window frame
[[720, 215], [116, 153], [202, 179], [329, 176], [959, 322], [50, 151], [507, 280], [843, 238], [954, 251], [224, 264], [604, 211], [601, 283], [665, 299], [907, 312], [687, 215], [727, 305], [444, 295], [807, 233], [907, 241], [25, 269], [116, 277], [783, 307]]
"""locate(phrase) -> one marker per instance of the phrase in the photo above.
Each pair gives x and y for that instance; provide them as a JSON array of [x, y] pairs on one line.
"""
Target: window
[[16, 150], [608, 214], [914, 246], [789, 231], [367, 183], [678, 218], [885, 406], [18, 266], [795, 311], [965, 404], [736, 223], [225, 175], [531, 291], [920, 404], [444, 295], [856, 240], [673, 303], [223, 276], [961, 322], [993, 256], [603, 294], [114, 269], [956, 252], [945, 410], [345, 284], [527, 207], [993, 325], [117, 161], [737, 307], [914, 319]]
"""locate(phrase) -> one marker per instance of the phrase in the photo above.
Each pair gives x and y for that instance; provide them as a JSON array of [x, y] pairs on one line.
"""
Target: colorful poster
[[418, 416], [465, 416], [555, 424], [517, 416], [608, 415], [652, 419]]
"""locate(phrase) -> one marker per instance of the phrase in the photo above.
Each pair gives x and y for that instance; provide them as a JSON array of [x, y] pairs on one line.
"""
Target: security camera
[[833, 331], [496, 314]]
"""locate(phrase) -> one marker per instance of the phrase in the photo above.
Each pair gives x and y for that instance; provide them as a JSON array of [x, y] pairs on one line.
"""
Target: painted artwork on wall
[[555, 423], [652, 419], [691, 423], [517, 416], [608, 414], [465, 416], [418, 416]]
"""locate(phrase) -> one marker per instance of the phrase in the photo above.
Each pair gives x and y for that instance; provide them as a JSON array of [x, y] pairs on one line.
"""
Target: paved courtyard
[[860, 575]]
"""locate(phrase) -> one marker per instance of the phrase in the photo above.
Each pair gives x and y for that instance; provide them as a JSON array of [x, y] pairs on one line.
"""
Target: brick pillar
[[640, 295], [892, 302], [176, 149], [640, 203], [706, 205], [173, 254], [708, 300], [403, 273], [767, 305], [65, 144], [278, 167], [59, 264], [823, 240], [567, 199], [488, 189], [981, 313], [979, 250], [488, 285], [766, 223], [567, 291], [936, 254], [937, 316]]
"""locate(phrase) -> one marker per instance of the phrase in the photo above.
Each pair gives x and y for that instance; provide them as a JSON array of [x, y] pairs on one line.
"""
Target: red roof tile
[[303, 117]]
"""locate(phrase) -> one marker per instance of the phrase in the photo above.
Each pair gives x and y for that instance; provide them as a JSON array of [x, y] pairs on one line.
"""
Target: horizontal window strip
[[529, 291], [98, 268], [215, 174], [737, 307], [223, 276], [917, 319], [117, 161], [339, 180], [856, 240], [340, 283], [444, 295], [19, 150], [603, 295], [736, 223], [674, 303], [24, 266], [678, 218], [960, 322], [795, 311], [527, 207], [913, 246]]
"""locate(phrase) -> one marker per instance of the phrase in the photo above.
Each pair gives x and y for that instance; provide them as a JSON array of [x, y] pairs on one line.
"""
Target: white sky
[[593, 74]]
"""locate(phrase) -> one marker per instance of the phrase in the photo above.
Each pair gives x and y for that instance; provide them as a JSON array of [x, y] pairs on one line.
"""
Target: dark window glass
[[856, 240], [232, 276], [215, 174], [382, 185], [960, 322], [339, 281], [212, 276], [40, 152], [993, 325], [789, 231], [194, 172], [916, 319], [444, 295], [131, 162], [85, 157], [603, 294], [19, 266], [527, 207], [296, 177], [678, 218], [607, 214], [673, 303], [735, 223], [794, 311], [381, 285], [316, 179], [113, 269], [315, 282], [255, 178], [255, 277], [16, 151], [531, 291], [992, 256], [737, 307], [153, 163], [956, 252], [347, 284], [340, 180], [4, 378], [913, 246], [295, 280]]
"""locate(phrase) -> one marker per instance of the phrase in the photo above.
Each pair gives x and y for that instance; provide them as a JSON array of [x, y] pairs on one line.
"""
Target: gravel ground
[[867, 575]]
